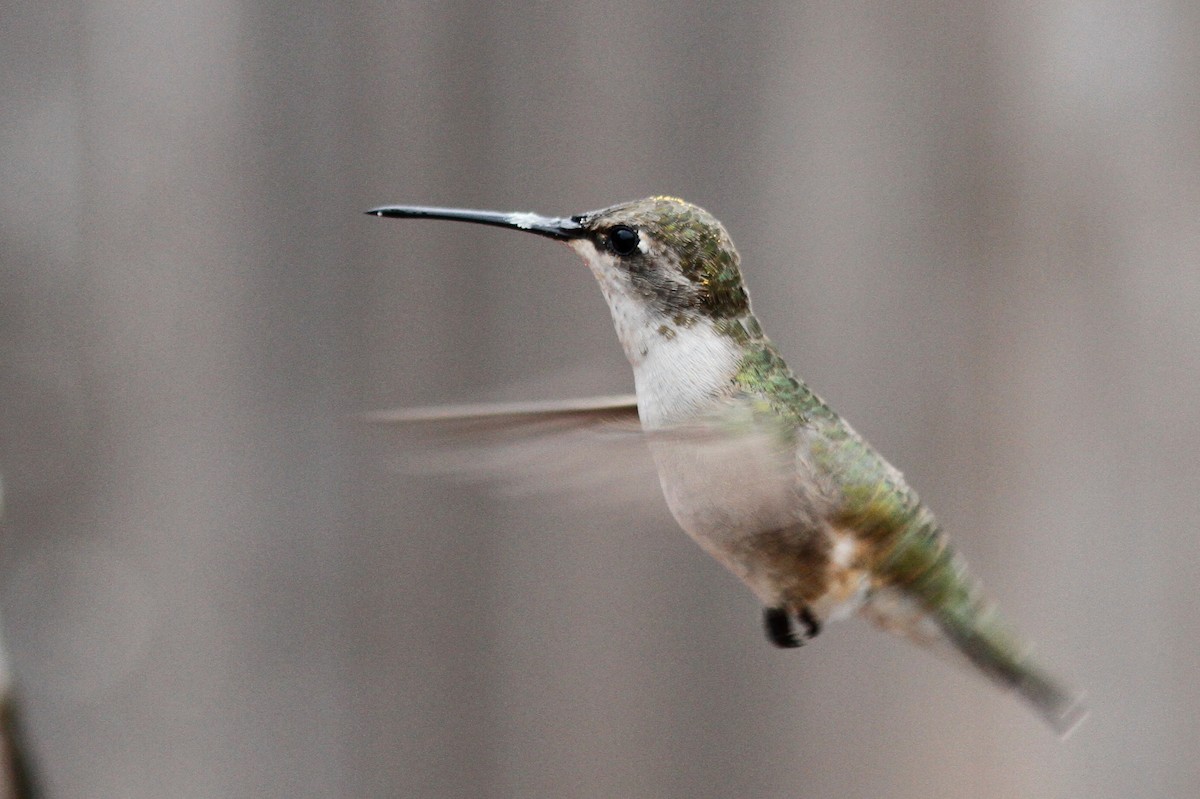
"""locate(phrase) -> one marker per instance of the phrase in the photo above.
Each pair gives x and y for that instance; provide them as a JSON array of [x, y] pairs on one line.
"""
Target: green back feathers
[[909, 548], [764, 372]]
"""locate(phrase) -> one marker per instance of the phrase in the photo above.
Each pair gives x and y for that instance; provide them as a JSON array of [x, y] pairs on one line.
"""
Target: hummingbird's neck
[[684, 357], [682, 366]]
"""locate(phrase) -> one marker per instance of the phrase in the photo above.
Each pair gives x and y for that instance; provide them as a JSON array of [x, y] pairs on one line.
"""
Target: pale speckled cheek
[[630, 316], [602, 265], [584, 247]]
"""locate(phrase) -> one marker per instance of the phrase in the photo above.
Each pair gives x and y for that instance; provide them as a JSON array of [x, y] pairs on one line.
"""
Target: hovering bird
[[754, 466]]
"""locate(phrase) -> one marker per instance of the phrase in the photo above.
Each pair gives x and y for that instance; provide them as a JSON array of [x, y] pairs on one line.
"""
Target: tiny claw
[[778, 625], [812, 625]]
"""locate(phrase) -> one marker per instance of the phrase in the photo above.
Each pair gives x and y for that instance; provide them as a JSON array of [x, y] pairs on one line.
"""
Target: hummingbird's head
[[663, 264], [670, 255], [673, 257]]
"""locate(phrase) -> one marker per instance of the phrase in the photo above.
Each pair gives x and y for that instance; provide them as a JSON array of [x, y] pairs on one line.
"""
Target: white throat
[[681, 376]]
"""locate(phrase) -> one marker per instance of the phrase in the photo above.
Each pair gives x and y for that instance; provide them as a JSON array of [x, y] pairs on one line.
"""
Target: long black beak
[[556, 227]]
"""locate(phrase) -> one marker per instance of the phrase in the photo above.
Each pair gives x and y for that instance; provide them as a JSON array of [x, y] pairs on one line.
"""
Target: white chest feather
[[681, 370]]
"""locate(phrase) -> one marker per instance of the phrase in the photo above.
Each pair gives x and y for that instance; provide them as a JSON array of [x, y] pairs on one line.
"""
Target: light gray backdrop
[[973, 227]]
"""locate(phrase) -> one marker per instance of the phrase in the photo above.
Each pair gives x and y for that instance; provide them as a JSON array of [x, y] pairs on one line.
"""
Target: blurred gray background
[[973, 227]]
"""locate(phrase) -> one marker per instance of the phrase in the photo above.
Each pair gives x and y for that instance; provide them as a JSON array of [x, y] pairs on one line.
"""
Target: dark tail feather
[[995, 652]]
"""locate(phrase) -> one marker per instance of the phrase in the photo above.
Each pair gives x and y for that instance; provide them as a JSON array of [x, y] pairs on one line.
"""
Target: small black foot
[[778, 624]]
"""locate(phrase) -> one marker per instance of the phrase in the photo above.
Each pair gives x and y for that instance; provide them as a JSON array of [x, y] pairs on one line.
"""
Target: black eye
[[622, 240]]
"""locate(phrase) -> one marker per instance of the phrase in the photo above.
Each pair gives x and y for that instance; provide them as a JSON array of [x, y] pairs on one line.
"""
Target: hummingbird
[[754, 466]]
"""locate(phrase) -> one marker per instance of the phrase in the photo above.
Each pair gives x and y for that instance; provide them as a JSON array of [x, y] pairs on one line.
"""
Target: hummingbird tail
[[991, 648]]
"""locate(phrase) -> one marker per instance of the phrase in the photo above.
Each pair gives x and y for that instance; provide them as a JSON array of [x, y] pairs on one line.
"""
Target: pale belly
[[751, 499], [746, 505]]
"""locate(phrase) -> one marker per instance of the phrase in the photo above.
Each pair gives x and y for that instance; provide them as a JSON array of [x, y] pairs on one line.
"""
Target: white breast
[[681, 371]]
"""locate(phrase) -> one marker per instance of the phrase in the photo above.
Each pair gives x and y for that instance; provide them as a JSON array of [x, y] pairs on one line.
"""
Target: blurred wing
[[587, 451], [579, 413], [591, 449]]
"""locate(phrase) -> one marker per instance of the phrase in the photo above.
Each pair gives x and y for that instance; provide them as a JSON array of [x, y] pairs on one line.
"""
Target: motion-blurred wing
[[510, 416], [591, 449]]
